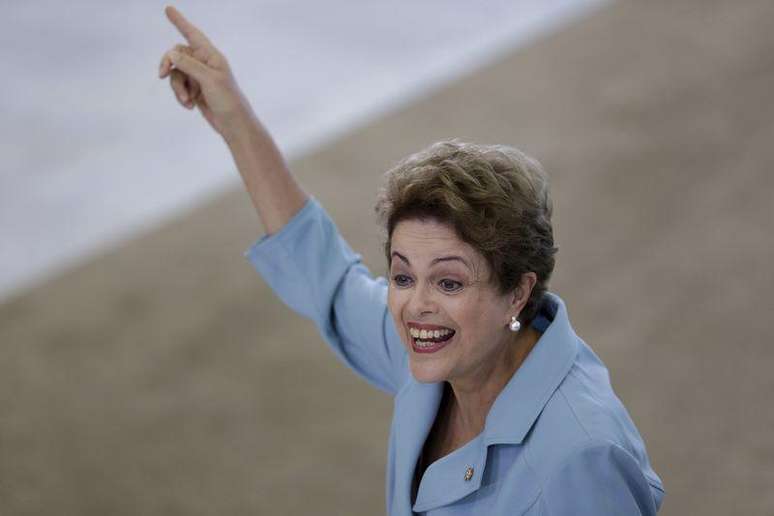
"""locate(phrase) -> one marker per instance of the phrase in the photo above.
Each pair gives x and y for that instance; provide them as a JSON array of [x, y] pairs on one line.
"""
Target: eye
[[401, 280], [450, 285]]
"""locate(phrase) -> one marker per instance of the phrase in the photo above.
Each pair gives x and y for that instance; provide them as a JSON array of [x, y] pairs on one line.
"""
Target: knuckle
[[200, 55], [220, 80], [220, 60]]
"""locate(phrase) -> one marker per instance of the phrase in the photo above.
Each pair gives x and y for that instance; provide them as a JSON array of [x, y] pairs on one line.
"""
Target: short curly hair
[[495, 197]]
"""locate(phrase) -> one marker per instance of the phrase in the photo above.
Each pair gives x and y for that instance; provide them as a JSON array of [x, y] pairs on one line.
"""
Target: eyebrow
[[436, 260]]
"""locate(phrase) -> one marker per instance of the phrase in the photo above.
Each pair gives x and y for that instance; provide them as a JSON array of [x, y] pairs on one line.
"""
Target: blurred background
[[145, 368]]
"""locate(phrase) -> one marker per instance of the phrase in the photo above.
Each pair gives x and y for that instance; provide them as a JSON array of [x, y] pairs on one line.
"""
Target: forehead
[[423, 240]]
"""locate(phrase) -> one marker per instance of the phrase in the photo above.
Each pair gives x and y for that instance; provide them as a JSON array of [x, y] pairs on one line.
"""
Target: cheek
[[479, 318], [468, 310], [396, 300], [392, 299], [395, 303]]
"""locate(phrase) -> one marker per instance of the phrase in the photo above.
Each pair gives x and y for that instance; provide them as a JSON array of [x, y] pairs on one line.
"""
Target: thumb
[[190, 66]]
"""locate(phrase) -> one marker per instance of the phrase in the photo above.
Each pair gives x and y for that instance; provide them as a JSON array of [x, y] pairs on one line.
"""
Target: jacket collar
[[509, 420], [524, 396]]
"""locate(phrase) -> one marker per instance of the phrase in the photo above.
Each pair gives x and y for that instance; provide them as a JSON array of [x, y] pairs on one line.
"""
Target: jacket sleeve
[[314, 271], [600, 479]]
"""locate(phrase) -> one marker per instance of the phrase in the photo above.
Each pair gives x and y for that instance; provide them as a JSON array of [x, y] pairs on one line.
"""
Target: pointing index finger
[[187, 29]]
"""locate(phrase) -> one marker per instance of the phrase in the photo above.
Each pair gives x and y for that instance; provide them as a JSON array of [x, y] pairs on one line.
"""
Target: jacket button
[[468, 473]]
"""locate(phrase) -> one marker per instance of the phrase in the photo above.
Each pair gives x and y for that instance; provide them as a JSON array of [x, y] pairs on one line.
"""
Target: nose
[[421, 302]]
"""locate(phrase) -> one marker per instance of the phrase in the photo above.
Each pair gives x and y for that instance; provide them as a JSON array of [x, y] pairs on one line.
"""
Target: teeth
[[428, 334]]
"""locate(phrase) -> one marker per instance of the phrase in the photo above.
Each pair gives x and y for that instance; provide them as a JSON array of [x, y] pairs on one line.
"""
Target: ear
[[522, 292]]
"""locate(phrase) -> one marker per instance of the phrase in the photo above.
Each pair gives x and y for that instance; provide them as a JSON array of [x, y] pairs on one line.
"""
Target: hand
[[202, 77]]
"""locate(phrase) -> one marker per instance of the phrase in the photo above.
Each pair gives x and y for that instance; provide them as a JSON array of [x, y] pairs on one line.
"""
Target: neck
[[472, 397]]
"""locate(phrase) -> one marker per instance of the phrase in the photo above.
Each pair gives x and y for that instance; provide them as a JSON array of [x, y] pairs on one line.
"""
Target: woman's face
[[448, 313]]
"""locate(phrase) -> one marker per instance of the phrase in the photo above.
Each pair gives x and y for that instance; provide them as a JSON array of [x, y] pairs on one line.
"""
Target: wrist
[[239, 126]]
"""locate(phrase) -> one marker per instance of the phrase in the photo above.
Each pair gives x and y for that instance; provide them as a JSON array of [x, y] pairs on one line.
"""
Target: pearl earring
[[515, 324]]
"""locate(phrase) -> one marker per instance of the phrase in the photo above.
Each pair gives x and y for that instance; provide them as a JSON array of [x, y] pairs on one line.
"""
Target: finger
[[195, 91], [194, 36], [190, 66], [165, 66], [178, 83], [166, 62]]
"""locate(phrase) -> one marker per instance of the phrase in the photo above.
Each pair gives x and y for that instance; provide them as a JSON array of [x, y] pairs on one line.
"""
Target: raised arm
[[201, 76], [302, 257]]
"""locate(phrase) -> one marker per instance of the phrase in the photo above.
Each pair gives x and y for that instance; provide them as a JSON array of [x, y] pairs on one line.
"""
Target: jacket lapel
[[416, 406]]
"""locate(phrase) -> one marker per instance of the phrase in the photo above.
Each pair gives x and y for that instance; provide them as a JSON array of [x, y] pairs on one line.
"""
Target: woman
[[499, 407]]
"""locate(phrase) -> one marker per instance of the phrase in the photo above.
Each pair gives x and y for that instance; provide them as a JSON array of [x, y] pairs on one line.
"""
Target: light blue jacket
[[557, 440]]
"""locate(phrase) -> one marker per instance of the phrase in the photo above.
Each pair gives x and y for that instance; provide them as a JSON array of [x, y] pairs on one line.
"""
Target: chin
[[425, 371]]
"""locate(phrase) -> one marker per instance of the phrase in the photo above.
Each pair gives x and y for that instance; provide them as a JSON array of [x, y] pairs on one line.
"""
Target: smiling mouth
[[431, 343]]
